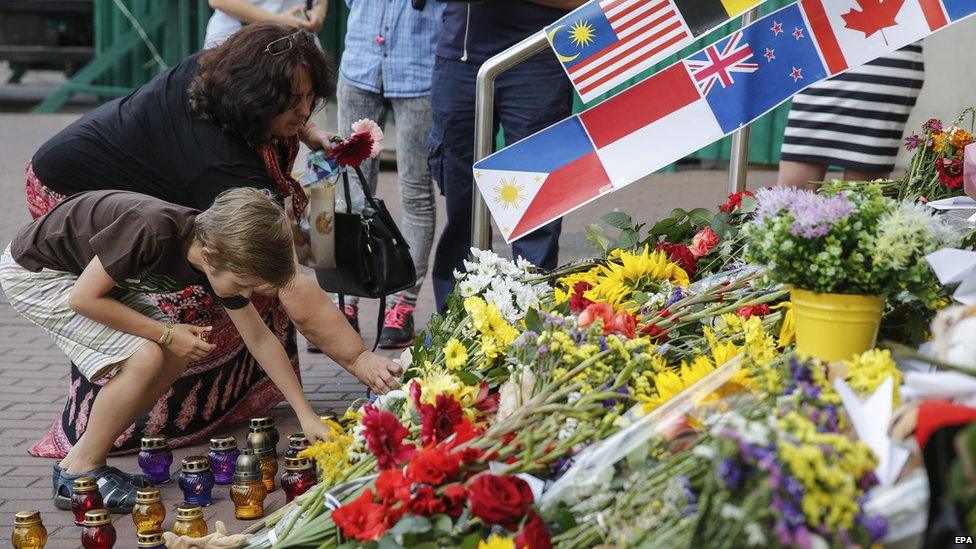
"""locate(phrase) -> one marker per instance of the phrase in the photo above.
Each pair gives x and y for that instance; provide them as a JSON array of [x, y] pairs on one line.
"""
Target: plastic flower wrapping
[[649, 397]]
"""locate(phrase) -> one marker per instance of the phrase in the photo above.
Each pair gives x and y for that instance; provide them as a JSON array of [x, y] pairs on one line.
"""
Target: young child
[[82, 272]]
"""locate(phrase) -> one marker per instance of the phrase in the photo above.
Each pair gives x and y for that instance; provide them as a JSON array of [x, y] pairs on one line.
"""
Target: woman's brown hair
[[240, 87]]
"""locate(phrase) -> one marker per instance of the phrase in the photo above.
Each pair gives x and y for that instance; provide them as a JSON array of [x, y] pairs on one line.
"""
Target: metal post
[[484, 137], [739, 157]]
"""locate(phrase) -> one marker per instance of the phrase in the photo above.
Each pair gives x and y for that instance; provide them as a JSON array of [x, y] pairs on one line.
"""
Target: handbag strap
[[362, 184]]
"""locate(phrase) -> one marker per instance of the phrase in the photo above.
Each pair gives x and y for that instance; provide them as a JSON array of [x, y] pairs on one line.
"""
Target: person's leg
[[850, 174], [529, 98], [413, 121], [451, 149], [140, 381], [800, 174]]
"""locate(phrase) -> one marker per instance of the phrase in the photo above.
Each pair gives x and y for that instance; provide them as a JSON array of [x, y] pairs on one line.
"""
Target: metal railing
[[484, 137]]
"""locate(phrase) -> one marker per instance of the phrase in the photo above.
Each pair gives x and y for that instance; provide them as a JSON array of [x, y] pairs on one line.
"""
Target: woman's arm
[[246, 12], [269, 353], [316, 16], [89, 298]]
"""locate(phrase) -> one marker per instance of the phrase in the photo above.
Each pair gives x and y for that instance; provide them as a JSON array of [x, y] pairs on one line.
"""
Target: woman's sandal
[[139, 480], [118, 494]]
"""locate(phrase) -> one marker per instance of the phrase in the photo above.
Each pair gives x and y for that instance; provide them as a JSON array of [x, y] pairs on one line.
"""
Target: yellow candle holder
[[189, 522], [29, 531], [149, 512]]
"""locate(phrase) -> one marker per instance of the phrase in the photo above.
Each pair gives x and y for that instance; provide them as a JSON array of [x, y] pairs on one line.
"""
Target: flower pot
[[835, 326]]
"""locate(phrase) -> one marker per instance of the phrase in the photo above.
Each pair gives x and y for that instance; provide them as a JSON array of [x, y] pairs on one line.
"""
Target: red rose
[[704, 241], [753, 310], [950, 172], [392, 486], [454, 498], [353, 150], [601, 311], [734, 201], [623, 323], [576, 301], [424, 501], [363, 519], [501, 500], [680, 254], [534, 534], [384, 436], [433, 466]]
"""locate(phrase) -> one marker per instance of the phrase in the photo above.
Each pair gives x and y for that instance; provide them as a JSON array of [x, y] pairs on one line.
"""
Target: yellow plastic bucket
[[835, 326]]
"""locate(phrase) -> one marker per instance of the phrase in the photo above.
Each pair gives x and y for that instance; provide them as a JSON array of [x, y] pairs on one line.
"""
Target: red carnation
[[384, 437], [433, 466], [734, 201], [534, 534], [363, 519], [424, 501], [576, 301], [454, 498], [680, 254], [501, 500], [392, 487], [353, 150], [753, 310], [950, 172]]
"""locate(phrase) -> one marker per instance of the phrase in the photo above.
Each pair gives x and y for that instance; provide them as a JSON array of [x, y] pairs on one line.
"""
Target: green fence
[[135, 39]]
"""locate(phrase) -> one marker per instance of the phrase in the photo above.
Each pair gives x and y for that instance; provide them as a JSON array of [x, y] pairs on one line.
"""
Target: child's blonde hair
[[248, 234]]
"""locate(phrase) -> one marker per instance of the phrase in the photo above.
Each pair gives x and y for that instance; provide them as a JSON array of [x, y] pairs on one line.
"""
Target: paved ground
[[33, 372]]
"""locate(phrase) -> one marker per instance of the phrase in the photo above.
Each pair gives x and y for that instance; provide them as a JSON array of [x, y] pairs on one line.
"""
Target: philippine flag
[[541, 178]]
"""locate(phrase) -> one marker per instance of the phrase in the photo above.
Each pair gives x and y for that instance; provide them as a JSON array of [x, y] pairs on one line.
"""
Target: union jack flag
[[711, 65]]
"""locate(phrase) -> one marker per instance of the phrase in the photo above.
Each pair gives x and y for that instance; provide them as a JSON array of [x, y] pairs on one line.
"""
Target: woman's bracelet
[[167, 336]]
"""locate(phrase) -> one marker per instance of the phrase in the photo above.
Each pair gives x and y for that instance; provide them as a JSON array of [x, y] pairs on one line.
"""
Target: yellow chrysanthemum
[[331, 456], [496, 542], [455, 354], [868, 370]]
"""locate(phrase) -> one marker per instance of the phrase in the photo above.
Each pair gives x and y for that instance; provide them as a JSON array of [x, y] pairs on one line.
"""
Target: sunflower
[[623, 274]]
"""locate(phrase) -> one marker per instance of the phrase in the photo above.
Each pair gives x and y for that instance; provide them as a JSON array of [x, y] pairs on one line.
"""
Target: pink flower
[[704, 241], [366, 125]]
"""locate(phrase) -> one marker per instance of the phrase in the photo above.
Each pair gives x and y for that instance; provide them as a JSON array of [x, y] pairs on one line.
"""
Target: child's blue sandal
[[118, 493]]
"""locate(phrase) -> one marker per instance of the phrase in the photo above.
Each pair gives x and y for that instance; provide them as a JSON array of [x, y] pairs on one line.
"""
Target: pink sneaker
[[398, 326]]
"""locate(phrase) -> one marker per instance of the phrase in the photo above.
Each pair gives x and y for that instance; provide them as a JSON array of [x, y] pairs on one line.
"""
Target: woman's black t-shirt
[[150, 142]]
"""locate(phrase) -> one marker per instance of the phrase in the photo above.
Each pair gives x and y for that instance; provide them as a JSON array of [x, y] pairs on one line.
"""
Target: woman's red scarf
[[271, 154]]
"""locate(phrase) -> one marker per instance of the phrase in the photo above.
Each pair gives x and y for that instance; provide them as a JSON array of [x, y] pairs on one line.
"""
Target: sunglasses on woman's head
[[287, 43]]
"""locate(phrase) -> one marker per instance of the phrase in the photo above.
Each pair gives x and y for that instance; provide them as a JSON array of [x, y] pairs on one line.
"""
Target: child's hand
[[188, 342], [314, 429]]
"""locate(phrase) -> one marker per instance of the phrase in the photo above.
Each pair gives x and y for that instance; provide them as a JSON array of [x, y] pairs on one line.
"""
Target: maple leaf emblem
[[874, 16]]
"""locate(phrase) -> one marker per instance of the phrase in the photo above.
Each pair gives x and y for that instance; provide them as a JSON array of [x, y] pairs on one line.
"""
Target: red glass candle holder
[[85, 497], [98, 532], [299, 476]]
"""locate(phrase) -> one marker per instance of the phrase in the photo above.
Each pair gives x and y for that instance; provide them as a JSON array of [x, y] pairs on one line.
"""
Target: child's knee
[[149, 360]]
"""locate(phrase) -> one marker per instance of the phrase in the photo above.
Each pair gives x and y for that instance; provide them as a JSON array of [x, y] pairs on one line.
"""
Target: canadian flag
[[852, 32]]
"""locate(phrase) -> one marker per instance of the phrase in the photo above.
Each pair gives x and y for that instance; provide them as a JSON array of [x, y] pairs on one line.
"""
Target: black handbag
[[372, 257]]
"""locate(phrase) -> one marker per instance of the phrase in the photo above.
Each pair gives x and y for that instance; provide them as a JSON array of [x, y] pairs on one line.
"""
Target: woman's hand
[[314, 429], [315, 138], [316, 16], [188, 342], [294, 17], [380, 374]]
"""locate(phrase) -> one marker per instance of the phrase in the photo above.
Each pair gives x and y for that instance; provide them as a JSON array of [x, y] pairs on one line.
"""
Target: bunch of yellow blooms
[[866, 371], [331, 456], [496, 333]]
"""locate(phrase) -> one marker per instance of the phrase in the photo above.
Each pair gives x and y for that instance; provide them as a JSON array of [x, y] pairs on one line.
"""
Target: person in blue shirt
[[386, 67], [528, 98]]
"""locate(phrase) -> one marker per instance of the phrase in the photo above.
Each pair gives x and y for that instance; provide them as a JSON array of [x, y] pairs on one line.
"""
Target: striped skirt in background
[[855, 120]]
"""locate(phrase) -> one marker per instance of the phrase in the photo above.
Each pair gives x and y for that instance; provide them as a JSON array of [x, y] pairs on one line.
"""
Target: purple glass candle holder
[[197, 481], [223, 458], [155, 459]]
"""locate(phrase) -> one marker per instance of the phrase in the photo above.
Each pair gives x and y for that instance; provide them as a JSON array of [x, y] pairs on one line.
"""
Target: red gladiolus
[[534, 534], [576, 301], [734, 201], [433, 466], [602, 311], [501, 500], [454, 498], [392, 487], [353, 150], [704, 241], [655, 332], [753, 310], [623, 323], [950, 172], [424, 501], [363, 519], [384, 437], [680, 254]]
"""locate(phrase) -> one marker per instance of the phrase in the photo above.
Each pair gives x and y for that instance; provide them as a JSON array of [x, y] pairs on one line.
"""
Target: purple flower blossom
[[676, 296], [730, 473], [913, 141], [933, 125], [813, 214], [876, 526]]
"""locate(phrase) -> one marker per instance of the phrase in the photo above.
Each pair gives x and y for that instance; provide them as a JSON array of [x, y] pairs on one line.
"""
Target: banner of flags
[[605, 42], [695, 102]]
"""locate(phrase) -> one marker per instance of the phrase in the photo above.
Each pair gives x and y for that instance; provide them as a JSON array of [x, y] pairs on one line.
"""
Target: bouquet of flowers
[[936, 169], [850, 242]]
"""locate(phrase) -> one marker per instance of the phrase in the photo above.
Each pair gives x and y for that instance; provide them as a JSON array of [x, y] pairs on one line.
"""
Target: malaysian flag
[[606, 42]]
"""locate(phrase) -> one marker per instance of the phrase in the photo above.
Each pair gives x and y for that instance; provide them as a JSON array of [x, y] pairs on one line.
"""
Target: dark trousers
[[528, 98]]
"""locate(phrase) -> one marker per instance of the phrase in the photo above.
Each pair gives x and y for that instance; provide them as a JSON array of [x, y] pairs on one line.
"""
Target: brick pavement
[[33, 373]]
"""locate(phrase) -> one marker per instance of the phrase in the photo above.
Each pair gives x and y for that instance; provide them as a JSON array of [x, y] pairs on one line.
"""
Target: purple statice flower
[[814, 215], [730, 473], [933, 125], [527, 337], [783, 533], [561, 465], [803, 539], [603, 343], [913, 141], [611, 402], [676, 296], [543, 350], [876, 526]]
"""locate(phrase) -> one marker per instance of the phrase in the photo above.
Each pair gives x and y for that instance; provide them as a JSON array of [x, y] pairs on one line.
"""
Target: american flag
[[606, 42]]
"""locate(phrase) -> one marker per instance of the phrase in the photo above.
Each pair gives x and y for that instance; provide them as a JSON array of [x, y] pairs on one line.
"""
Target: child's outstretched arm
[[89, 298], [274, 361]]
